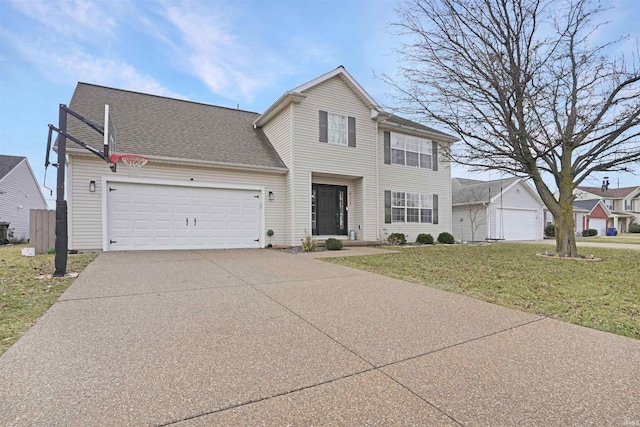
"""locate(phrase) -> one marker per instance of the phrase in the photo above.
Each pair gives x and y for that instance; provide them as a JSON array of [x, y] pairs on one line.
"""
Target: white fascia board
[[440, 137], [281, 103]]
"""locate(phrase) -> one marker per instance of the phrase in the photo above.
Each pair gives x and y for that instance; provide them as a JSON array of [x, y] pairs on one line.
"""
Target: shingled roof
[[8, 163], [611, 193], [173, 129], [587, 205], [472, 191], [411, 124]]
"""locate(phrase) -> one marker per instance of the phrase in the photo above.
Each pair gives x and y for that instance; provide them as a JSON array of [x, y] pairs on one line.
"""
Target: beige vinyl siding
[[279, 131], [415, 180], [462, 229], [85, 208], [350, 165], [20, 194]]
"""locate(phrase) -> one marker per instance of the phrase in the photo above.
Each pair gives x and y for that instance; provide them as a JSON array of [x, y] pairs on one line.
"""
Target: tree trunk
[[564, 222]]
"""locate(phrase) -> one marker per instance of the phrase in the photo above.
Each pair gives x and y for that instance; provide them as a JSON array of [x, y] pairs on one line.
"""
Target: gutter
[[192, 162], [433, 135]]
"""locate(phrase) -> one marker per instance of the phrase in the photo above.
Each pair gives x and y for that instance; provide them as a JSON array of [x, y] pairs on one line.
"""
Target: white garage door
[[519, 224], [149, 216], [599, 224]]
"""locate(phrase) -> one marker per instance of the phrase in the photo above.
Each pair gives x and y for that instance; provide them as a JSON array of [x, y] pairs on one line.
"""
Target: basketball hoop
[[133, 162]]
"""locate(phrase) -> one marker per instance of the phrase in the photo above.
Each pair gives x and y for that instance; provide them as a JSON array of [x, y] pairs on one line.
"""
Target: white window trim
[[393, 138], [404, 207]]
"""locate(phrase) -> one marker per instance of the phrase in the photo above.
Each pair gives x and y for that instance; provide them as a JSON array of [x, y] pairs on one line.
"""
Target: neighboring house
[[502, 209], [622, 203], [324, 159], [596, 217], [19, 193]]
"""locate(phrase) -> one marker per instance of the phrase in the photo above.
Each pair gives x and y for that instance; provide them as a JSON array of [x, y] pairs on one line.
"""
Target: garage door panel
[[148, 216], [517, 224]]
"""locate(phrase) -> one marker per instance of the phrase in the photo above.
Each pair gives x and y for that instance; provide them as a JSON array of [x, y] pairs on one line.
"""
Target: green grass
[[23, 298], [602, 295], [626, 239]]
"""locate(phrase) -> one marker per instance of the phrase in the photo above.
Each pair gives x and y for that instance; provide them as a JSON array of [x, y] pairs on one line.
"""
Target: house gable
[[19, 193], [599, 211]]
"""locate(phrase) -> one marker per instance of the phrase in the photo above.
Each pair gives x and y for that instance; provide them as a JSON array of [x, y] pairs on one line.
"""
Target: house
[[622, 203], [596, 217], [323, 160], [501, 209], [19, 193]]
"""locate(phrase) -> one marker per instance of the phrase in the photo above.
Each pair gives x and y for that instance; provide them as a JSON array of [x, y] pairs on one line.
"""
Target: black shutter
[[434, 157], [351, 131], [324, 129], [387, 207], [387, 148], [435, 208]]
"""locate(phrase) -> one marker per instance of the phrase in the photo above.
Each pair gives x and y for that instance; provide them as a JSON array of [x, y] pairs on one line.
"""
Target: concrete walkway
[[260, 337]]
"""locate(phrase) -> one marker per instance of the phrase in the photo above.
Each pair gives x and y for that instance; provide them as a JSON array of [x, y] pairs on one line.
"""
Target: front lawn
[[23, 298], [603, 295], [618, 239]]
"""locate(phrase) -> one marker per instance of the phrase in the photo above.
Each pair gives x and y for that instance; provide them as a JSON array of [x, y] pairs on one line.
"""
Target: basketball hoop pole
[[62, 242]]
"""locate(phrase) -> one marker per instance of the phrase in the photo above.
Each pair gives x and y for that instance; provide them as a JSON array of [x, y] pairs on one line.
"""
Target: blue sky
[[223, 53]]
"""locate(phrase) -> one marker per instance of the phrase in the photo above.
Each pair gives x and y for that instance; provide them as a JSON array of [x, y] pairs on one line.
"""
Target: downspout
[[378, 235]]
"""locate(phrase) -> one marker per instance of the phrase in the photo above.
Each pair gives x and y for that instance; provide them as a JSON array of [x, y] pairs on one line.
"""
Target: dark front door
[[330, 209]]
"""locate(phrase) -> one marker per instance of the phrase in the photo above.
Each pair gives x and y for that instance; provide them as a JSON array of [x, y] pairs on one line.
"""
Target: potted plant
[[269, 233]]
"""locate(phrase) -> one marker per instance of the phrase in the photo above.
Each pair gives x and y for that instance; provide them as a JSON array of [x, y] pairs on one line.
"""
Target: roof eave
[[431, 135], [196, 162], [275, 108]]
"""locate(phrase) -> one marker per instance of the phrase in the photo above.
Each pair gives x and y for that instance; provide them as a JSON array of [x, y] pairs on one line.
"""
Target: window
[[411, 207], [628, 205], [337, 129], [609, 204], [411, 151]]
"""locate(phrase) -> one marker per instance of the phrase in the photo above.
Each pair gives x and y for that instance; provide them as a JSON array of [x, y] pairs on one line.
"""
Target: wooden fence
[[42, 229]]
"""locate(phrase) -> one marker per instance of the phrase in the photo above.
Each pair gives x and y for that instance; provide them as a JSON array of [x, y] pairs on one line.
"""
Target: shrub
[[550, 231], [269, 233], [397, 239], [634, 228], [333, 244], [308, 244], [589, 232], [425, 239], [446, 238], [51, 251]]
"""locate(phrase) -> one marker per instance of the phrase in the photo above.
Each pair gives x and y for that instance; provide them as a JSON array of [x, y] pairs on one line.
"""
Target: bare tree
[[526, 87], [476, 210]]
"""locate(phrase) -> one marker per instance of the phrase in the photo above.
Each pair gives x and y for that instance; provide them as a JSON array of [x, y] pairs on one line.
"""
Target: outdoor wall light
[[92, 186], [271, 195]]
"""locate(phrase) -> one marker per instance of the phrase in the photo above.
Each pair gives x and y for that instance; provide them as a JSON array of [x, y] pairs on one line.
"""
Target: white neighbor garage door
[[519, 224], [149, 216], [599, 224]]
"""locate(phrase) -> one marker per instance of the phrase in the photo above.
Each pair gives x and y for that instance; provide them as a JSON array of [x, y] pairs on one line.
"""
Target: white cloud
[[227, 65], [80, 19], [69, 63]]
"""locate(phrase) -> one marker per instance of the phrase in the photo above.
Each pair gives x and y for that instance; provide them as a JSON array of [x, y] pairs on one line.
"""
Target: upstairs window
[[337, 129], [628, 205], [408, 150], [609, 204]]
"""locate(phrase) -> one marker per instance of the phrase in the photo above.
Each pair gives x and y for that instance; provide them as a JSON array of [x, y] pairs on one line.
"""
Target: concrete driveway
[[260, 337]]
